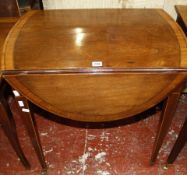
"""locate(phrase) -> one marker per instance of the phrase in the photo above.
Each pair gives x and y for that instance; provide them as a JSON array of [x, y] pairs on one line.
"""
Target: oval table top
[[95, 65]]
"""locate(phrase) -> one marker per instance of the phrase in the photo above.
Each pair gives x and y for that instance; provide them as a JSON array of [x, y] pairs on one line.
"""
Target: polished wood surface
[[9, 8], [75, 38], [49, 54], [100, 97], [5, 26]]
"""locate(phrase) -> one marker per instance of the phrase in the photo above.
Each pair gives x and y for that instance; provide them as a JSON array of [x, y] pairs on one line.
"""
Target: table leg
[[30, 124], [165, 122], [9, 128], [179, 144], [182, 24]]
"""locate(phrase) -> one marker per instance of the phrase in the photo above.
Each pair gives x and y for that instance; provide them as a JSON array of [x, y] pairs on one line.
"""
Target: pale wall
[[168, 5]]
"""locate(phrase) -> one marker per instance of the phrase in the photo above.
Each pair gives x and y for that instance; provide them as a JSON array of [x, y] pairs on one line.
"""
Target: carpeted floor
[[70, 149]]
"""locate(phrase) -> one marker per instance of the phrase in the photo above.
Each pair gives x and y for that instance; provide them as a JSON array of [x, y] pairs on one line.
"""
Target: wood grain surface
[[5, 25], [9, 8], [100, 97], [75, 38], [48, 57]]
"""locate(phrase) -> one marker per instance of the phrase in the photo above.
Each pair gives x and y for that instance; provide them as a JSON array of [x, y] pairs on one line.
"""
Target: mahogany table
[[96, 65]]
